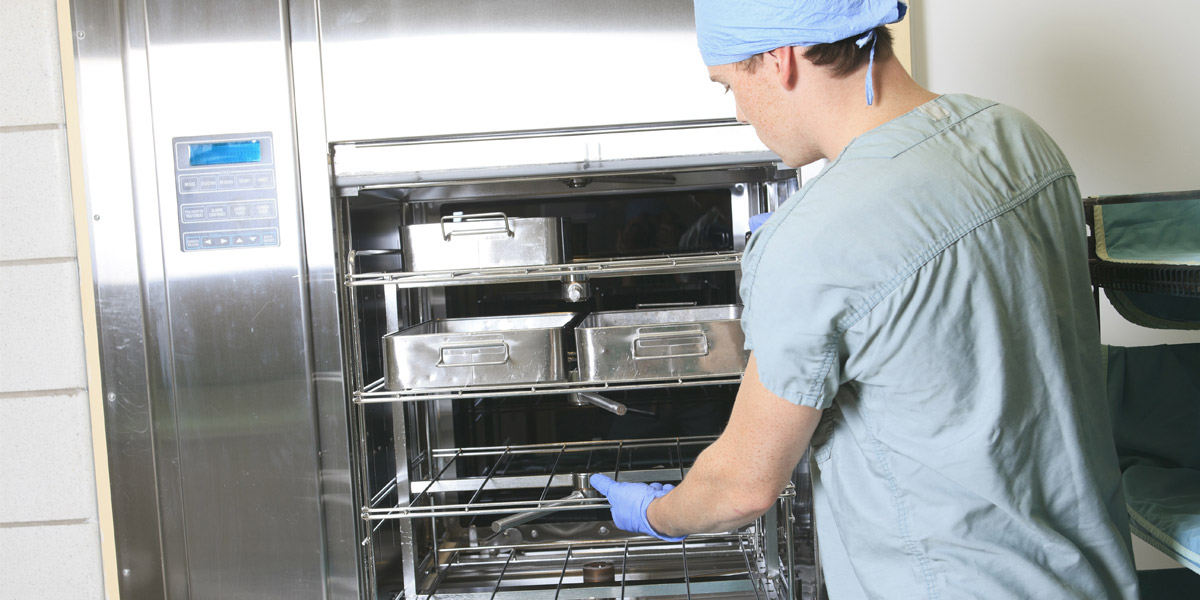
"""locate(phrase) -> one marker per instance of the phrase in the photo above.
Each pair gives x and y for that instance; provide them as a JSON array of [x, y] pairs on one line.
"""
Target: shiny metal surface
[[376, 394], [248, 466], [482, 241], [515, 65], [206, 361], [656, 344], [586, 398], [108, 44], [477, 351], [345, 576], [572, 154], [713, 261]]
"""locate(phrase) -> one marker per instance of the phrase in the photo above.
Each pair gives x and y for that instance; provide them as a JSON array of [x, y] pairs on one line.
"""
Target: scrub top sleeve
[[790, 323]]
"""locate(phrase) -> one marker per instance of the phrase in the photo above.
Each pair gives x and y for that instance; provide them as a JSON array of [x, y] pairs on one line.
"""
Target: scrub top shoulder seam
[[943, 243]]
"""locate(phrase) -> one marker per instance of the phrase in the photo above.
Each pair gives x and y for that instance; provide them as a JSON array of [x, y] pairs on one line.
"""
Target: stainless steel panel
[[663, 343], [575, 153], [343, 528], [403, 68], [238, 346], [110, 61], [477, 351], [479, 241], [206, 363]]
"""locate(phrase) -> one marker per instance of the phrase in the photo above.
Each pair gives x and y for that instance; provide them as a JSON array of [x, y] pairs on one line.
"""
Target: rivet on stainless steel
[[111, 397], [81, 35], [95, 217]]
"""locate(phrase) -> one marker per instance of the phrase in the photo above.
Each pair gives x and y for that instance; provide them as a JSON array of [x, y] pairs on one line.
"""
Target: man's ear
[[785, 62]]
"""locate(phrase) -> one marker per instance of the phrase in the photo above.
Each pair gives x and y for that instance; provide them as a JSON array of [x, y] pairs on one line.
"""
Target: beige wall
[[49, 530]]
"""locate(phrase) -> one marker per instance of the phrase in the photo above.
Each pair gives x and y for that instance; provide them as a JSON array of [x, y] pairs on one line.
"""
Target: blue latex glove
[[629, 503], [756, 221]]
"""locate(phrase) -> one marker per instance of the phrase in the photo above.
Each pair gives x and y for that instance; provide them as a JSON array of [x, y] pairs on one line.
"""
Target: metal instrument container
[[477, 351], [482, 240], [661, 343]]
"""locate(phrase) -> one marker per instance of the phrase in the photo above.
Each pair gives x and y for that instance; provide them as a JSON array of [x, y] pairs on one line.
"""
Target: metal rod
[[387, 489], [749, 571], [435, 479], [563, 574], [713, 261], [511, 553], [600, 543], [553, 470], [576, 446], [687, 577], [442, 573], [374, 396], [624, 573], [521, 518], [488, 508], [617, 466], [789, 539], [491, 472], [608, 404]]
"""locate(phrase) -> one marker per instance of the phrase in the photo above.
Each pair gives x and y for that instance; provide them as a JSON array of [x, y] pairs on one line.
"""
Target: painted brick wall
[[49, 536]]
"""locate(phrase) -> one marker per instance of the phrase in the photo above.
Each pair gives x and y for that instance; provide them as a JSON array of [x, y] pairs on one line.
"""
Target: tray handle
[[669, 341], [473, 354], [503, 228]]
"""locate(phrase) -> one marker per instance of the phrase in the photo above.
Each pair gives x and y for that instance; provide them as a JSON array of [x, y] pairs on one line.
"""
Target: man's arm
[[740, 475]]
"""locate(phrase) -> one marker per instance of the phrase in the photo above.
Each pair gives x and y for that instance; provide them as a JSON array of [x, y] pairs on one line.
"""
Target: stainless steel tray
[[477, 351], [481, 241], [661, 343]]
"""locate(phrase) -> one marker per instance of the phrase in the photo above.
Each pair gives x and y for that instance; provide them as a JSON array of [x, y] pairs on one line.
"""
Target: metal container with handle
[[483, 240], [477, 351], [662, 343]]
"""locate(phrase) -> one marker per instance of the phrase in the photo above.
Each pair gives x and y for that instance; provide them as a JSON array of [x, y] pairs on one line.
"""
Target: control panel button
[[264, 179], [264, 209], [188, 184], [270, 238], [192, 214], [192, 242], [208, 183], [244, 181], [225, 182], [217, 212], [239, 211]]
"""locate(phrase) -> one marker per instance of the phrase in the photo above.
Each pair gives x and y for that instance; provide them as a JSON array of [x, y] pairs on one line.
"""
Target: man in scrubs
[[920, 312]]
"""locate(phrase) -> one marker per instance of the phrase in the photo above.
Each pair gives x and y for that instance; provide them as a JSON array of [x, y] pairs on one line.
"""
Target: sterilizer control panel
[[225, 192]]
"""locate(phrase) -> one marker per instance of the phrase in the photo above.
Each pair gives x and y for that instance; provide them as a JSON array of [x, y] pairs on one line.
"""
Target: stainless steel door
[[210, 367]]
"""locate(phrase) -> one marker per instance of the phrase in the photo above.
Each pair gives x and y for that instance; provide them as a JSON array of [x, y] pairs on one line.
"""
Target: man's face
[[763, 103]]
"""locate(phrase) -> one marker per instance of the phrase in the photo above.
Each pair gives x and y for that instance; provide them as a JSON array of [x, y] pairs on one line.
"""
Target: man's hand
[[629, 502]]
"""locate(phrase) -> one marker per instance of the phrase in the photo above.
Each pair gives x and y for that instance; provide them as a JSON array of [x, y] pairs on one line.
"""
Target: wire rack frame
[[554, 570], [622, 267]]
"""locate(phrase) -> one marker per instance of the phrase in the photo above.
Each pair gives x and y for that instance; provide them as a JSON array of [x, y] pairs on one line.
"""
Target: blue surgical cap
[[729, 31]]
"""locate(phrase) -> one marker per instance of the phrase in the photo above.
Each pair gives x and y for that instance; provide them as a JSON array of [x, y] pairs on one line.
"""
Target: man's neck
[[896, 94]]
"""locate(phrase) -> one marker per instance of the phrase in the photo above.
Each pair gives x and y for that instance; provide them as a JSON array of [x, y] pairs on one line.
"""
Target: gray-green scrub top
[[929, 290]]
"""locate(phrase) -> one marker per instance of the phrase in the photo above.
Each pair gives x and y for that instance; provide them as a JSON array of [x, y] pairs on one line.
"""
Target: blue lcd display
[[225, 153]]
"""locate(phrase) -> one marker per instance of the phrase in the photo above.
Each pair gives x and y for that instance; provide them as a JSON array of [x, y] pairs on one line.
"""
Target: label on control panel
[[225, 192]]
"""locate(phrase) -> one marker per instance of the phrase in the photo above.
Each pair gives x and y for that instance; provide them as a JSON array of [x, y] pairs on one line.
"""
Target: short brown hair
[[843, 57]]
